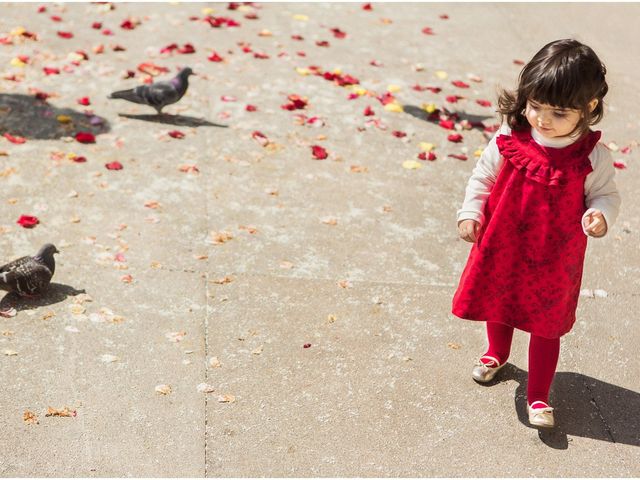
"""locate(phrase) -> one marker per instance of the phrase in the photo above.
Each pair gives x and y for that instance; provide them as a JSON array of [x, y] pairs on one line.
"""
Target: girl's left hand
[[595, 224]]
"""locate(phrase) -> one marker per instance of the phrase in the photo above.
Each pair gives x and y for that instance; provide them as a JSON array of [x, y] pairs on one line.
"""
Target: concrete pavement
[[311, 297]]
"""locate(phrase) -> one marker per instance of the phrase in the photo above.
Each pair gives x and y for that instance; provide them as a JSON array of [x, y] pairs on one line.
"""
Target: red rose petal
[[114, 165], [260, 137], [460, 84], [444, 16], [620, 165], [16, 140], [85, 137], [176, 134], [79, 159], [251, 108], [107, 32], [452, 98], [518, 62], [459, 156], [306, 345], [96, 25], [484, 103], [322, 43], [455, 138], [214, 57], [367, 7], [42, 9], [187, 49], [128, 25], [297, 37], [398, 133], [84, 101], [319, 153], [51, 71], [427, 156], [338, 33], [56, 18], [368, 112], [428, 31], [447, 124], [169, 48], [65, 34], [28, 221]]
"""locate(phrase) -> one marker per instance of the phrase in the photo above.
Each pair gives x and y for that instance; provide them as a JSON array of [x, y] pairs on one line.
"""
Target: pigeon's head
[[47, 251], [186, 72]]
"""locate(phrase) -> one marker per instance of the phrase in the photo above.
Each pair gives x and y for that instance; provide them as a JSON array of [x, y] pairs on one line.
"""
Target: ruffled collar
[[559, 164]]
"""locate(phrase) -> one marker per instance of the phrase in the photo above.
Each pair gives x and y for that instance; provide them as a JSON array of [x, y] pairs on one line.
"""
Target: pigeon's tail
[[130, 95]]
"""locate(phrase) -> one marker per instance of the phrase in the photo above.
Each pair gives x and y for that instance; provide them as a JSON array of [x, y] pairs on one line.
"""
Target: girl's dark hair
[[565, 74]]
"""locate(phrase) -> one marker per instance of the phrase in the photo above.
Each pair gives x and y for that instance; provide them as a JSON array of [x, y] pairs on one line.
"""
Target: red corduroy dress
[[525, 269]]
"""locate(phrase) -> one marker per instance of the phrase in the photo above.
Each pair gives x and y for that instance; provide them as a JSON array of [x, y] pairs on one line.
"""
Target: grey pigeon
[[28, 276], [160, 94]]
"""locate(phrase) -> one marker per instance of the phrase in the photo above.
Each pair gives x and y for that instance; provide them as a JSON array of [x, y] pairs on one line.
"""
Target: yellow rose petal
[[426, 147], [442, 75], [207, 11], [394, 88], [64, 118], [478, 152], [393, 107], [16, 62], [303, 71], [302, 18], [411, 165], [359, 91], [429, 107], [337, 71], [18, 31]]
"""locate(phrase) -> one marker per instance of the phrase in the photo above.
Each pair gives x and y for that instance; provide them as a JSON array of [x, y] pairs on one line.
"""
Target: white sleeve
[[482, 180], [600, 188]]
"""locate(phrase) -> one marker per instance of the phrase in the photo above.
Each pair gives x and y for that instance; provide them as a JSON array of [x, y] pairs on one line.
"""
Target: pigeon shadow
[[56, 293], [31, 118], [583, 406], [177, 120], [476, 121]]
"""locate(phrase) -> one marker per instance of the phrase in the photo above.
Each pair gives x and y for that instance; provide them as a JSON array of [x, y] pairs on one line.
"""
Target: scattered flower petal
[[318, 152], [163, 389], [85, 137], [115, 165], [28, 221], [14, 139], [411, 165], [205, 388]]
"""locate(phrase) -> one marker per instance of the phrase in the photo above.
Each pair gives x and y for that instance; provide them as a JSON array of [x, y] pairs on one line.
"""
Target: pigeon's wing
[[30, 277], [11, 266], [160, 94]]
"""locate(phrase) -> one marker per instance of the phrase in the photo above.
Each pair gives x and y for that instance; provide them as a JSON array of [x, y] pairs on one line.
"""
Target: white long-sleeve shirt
[[600, 188]]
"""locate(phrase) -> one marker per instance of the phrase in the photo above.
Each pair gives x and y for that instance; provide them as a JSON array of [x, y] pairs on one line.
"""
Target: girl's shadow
[[584, 407]]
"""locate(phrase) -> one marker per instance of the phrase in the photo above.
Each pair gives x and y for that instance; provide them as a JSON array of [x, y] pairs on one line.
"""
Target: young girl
[[542, 185]]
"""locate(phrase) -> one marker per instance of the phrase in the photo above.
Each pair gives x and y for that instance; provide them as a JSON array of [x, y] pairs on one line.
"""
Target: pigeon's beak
[[56, 251]]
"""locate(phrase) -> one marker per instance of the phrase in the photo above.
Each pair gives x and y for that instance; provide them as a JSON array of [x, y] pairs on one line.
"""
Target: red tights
[[543, 359]]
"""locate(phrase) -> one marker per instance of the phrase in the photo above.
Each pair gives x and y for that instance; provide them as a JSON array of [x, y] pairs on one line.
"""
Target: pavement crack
[[600, 415]]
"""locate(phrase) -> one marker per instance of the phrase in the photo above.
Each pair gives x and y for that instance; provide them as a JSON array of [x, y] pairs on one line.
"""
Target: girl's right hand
[[468, 230]]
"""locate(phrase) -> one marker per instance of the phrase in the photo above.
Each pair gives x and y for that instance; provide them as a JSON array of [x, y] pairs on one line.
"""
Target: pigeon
[[29, 276], [160, 94]]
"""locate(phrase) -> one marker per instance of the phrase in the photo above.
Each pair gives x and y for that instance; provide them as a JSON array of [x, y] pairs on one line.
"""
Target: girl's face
[[550, 121]]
